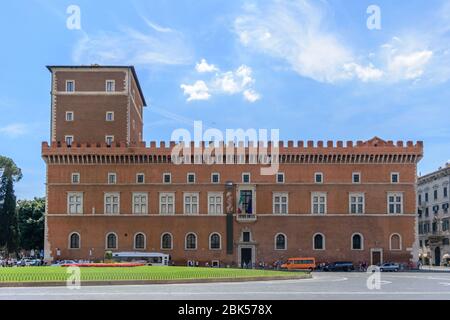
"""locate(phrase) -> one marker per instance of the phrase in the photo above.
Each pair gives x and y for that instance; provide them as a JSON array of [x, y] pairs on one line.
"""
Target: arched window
[[139, 241], [214, 241], [357, 242], [395, 242], [111, 241], [166, 241], [280, 242], [74, 241], [319, 242], [191, 241]]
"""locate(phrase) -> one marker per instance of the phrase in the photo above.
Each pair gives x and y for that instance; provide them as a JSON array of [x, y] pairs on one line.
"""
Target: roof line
[[133, 70]]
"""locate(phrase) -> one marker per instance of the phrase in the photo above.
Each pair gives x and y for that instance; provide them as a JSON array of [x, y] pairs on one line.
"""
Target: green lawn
[[57, 274]]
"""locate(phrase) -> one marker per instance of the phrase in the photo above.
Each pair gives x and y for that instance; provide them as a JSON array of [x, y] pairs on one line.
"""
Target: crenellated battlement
[[374, 150]]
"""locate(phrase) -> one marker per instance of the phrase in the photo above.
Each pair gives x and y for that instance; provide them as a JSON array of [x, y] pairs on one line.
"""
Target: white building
[[434, 217]]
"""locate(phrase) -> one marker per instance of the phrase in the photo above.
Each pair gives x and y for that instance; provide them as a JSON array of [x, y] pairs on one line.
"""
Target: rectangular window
[[420, 199], [246, 178], [395, 203], [445, 225], [435, 194], [75, 203], [356, 203], [280, 203], [112, 178], [319, 203], [69, 116], [245, 205], [191, 203], [140, 178], [110, 85], [69, 140], [110, 116], [318, 177], [280, 177], [167, 178], [109, 140], [426, 196], [167, 203], [445, 192], [246, 236], [395, 177], [140, 203], [356, 177], [70, 86], [215, 178], [75, 178], [215, 203], [191, 178], [112, 203]]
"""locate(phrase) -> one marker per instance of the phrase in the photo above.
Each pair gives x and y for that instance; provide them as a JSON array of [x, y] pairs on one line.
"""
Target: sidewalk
[[434, 269]]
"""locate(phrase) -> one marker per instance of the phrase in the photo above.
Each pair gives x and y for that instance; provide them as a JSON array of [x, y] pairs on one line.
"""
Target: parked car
[[339, 266], [63, 262], [389, 266]]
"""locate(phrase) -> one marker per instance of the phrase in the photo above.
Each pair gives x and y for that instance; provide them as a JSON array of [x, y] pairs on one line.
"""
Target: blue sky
[[313, 69]]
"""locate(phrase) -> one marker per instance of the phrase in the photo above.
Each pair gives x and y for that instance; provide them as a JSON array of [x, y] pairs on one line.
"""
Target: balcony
[[246, 217]]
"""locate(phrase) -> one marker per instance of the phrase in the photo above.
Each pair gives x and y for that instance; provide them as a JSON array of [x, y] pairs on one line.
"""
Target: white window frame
[[113, 85], [112, 174], [285, 242], [353, 177], [185, 241], [362, 241], [220, 241], [170, 177], [390, 241], [190, 195], [137, 178], [215, 195], [171, 241], [318, 194], [106, 241], [280, 174], [356, 194], [71, 138], [107, 138], [166, 194], [139, 194], [323, 241], [111, 194], [249, 177], [398, 177], [75, 174], [134, 241], [274, 203], [395, 194], [187, 178], [112, 118], [81, 203], [74, 86], [70, 242], [321, 177], [72, 115], [218, 175]]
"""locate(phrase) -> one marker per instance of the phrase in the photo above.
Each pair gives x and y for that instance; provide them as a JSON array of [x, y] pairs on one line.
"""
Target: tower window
[[110, 85], [70, 86], [110, 116], [69, 116]]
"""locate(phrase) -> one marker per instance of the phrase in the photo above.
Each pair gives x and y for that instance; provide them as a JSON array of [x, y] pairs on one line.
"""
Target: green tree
[[8, 214], [31, 223]]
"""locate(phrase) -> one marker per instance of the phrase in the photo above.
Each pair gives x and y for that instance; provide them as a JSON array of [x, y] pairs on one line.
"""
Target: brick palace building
[[109, 191]]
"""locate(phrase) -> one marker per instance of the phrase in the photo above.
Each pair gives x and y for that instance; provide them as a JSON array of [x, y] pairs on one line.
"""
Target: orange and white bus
[[300, 264]]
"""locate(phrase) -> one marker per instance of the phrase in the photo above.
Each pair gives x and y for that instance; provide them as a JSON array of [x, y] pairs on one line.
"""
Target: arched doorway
[[437, 256]]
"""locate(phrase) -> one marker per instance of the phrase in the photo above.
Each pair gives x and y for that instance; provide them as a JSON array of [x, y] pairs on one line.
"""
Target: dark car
[[339, 266]]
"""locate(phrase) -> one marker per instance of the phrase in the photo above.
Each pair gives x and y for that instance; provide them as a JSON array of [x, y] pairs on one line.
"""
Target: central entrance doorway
[[437, 256], [376, 257], [246, 257]]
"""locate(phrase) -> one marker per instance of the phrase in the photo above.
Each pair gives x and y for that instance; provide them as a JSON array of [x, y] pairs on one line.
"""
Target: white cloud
[[197, 91], [203, 67], [297, 33], [155, 45], [239, 81], [14, 130]]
